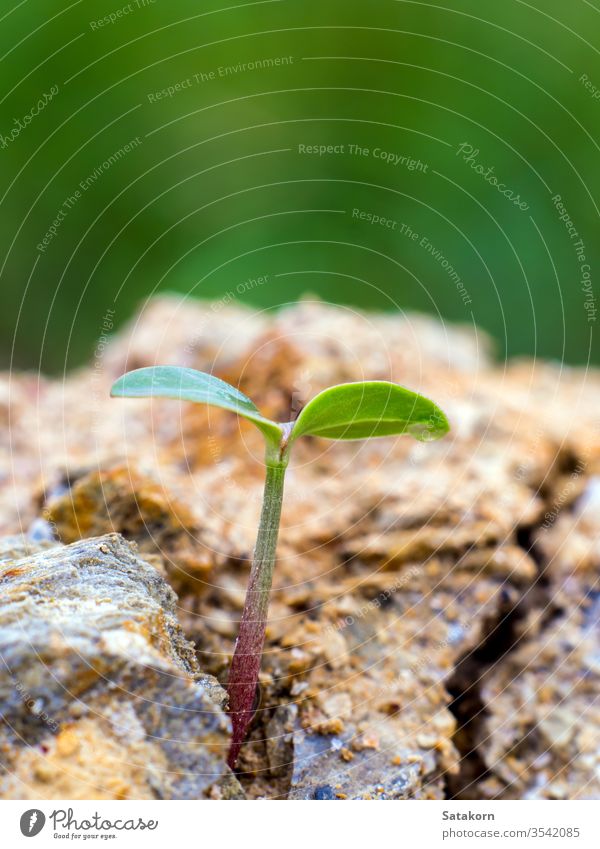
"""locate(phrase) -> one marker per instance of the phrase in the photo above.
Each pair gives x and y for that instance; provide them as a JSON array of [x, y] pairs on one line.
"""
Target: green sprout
[[348, 411]]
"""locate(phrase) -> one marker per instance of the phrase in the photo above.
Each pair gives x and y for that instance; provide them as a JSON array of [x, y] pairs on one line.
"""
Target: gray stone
[[101, 692]]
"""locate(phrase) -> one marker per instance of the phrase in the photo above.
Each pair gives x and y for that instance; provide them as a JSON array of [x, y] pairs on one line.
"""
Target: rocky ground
[[103, 696], [434, 623]]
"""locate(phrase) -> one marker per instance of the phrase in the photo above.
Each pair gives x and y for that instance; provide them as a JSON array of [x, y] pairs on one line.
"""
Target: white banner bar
[[428, 824]]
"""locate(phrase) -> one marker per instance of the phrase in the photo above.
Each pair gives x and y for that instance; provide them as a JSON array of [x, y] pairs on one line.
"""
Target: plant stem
[[245, 665]]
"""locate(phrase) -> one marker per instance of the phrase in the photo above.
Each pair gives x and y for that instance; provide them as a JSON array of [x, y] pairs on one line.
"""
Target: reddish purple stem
[[245, 664], [244, 672]]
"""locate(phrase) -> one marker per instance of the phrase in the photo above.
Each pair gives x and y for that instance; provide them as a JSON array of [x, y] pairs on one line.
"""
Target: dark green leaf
[[186, 384]]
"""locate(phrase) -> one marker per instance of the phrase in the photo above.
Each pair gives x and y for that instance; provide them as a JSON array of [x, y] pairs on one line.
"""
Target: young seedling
[[347, 411]]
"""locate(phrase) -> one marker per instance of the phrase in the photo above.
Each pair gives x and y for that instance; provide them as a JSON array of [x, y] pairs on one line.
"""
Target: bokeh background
[[170, 154]]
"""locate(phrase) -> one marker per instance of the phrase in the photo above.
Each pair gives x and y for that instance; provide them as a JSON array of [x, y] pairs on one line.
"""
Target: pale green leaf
[[372, 408]]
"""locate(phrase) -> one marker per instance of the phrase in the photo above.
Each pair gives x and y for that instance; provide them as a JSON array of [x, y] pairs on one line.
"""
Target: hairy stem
[[245, 665]]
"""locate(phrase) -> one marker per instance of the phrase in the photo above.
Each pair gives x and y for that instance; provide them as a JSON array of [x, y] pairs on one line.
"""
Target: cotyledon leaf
[[186, 384], [367, 409]]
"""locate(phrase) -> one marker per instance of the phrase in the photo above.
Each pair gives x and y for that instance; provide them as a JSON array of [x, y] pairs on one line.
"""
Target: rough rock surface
[[413, 582], [100, 691], [120, 499], [542, 739]]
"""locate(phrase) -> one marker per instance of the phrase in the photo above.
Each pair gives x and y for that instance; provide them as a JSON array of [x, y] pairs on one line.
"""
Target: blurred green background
[[188, 126]]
